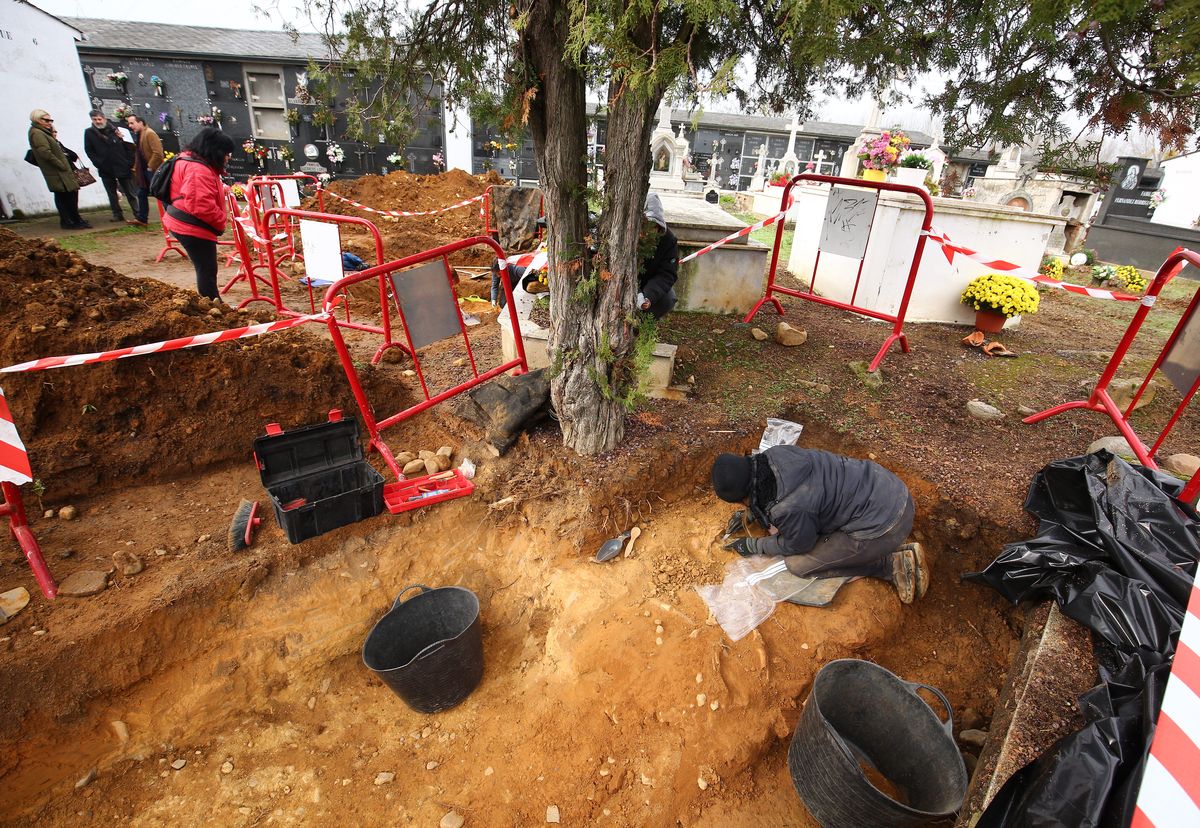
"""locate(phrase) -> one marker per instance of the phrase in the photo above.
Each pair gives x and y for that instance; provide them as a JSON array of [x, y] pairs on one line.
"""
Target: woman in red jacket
[[196, 215]]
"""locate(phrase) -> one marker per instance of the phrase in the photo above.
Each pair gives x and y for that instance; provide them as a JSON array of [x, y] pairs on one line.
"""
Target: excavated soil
[[226, 688], [403, 236]]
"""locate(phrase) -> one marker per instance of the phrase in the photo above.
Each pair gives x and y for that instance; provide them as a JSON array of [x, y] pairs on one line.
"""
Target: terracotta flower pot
[[874, 175], [989, 321]]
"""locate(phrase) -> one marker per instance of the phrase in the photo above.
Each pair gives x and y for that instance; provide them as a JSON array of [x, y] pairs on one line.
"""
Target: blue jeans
[[141, 209]]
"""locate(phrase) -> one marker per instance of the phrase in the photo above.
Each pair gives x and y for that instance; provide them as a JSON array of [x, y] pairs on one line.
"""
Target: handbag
[[84, 176]]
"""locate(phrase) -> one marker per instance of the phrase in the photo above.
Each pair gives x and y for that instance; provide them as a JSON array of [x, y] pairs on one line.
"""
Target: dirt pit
[[229, 688]]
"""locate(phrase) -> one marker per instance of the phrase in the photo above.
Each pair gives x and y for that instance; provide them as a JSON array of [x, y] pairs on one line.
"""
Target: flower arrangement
[[217, 115], [335, 153], [206, 120], [996, 293], [293, 117], [439, 161], [396, 159], [119, 78], [122, 112], [252, 148], [916, 161], [884, 151], [157, 83], [324, 178], [779, 179], [1130, 278], [1052, 267], [168, 155], [285, 154], [496, 146], [238, 190], [1157, 197], [1102, 273], [969, 192], [236, 89]]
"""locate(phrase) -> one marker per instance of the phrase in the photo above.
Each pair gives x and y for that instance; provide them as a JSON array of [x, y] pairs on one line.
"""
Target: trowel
[[612, 547]]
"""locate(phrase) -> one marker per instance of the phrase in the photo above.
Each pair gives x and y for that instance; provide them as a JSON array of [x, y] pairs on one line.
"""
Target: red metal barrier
[[14, 509], [297, 177], [382, 272], [171, 242], [1100, 400], [896, 319], [295, 216]]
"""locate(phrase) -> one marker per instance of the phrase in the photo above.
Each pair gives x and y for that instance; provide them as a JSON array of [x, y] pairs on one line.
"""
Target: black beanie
[[731, 477]]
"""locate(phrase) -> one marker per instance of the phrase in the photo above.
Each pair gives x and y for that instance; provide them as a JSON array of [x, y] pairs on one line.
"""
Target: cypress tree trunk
[[590, 306]]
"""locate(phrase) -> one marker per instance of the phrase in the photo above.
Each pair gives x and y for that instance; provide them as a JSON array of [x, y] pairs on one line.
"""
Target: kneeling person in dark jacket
[[658, 270], [829, 516]]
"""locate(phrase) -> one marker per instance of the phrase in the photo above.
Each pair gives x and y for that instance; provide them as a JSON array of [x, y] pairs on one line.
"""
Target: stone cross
[[793, 128], [819, 158], [714, 164]]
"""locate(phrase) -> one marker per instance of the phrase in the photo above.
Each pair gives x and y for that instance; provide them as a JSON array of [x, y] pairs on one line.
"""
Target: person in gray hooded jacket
[[660, 269], [828, 515]]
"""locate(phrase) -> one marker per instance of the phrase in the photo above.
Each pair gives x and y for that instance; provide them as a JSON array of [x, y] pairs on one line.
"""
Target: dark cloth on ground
[[203, 253], [506, 406]]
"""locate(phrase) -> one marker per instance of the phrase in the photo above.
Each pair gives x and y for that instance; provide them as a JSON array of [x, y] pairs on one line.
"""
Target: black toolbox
[[317, 477]]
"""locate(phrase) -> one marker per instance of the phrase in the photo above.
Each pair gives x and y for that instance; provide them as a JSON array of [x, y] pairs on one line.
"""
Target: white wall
[[39, 68], [1181, 184], [458, 139], [1001, 234]]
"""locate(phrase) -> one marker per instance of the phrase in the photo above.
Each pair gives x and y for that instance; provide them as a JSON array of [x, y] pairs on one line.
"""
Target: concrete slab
[[537, 353], [729, 279], [694, 219], [1037, 706]]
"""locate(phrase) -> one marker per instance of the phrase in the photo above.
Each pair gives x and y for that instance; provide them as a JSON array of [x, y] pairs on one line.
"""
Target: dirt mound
[[414, 193], [151, 417]]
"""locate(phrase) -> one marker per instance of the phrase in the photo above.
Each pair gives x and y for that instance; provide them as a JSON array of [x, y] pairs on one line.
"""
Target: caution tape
[[537, 260], [14, 460], [745, 231], [247, 225], [404, 213], [950, 250], [162, 347]]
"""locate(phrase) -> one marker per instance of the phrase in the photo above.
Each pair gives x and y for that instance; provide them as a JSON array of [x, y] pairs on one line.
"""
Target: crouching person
[[827, 515]]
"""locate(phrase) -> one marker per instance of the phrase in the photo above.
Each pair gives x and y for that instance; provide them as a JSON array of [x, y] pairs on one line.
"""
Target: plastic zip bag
[[741, 602], [779, 433]]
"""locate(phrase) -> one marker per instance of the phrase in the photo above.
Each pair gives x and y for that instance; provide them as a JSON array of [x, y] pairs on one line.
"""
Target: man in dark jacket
[[660, 269], [828, 515], [112, 156]]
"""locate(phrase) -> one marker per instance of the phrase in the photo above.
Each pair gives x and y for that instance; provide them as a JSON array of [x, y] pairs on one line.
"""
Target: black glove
[[739, 522], [744, 547]]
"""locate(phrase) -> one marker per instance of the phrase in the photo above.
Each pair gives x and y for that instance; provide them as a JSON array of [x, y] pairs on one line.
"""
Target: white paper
[[291, 192], [126, 135], [322, 244], [848, 216]]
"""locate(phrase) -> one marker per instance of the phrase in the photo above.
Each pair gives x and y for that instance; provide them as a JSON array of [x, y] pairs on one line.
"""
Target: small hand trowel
[[611, 548]]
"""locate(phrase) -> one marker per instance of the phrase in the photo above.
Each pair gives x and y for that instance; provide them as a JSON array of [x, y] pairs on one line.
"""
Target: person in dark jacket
[[196, 215], [828, 515], [51, 158], [147, 159], [112, 156], [659, 270]]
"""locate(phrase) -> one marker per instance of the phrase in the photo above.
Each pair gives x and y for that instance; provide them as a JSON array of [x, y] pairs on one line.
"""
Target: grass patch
[[91, 242], [766, 235]]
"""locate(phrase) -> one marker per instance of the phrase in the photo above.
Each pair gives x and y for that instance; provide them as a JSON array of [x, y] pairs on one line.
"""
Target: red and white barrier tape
[[745, 231], [950, 249], [14, 460], [536, 260], [247, 225], [162, 347], [404, 213], [1170, 791]]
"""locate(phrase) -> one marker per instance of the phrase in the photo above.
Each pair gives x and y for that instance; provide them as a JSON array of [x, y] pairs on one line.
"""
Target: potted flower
[[160, 88], [913, 168], [996, 297], [880, 156]]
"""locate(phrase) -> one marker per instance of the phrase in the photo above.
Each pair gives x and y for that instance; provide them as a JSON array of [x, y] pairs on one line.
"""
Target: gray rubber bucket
[[858, 710], [429, 649]]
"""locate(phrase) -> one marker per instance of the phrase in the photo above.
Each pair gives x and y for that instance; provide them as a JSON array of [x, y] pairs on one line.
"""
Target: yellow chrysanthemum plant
[[1131, 278], [1002, 294]]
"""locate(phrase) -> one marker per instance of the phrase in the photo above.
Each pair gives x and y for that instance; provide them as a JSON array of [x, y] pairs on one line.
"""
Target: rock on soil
[[1182, 465], [1117, 445], [785, 334], [552, 814], [128, 562], [759, 334], [12, 602], [84, 583], [452, 819], [68, 513], [973, 738], [982, 411], [384, 777]]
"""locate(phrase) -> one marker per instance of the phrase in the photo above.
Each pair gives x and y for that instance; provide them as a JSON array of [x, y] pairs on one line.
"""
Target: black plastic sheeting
[[1118, 554]]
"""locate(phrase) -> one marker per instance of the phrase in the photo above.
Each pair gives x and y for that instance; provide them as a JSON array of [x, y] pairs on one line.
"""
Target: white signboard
[[291, 192], [848, 216], [1182, 365], [322, 252]]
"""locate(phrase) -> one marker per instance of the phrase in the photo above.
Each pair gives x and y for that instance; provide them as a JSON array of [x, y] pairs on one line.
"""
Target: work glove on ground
[[744, 547], [739, 523]]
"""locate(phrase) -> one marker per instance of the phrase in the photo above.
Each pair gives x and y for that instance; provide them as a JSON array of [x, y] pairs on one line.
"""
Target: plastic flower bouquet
[[121, 113], [335, 153], [996, 293], [884, 152], [396, 158]]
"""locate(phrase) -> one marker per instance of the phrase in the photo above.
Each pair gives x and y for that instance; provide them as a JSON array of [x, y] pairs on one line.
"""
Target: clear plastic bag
[[779, 433], [741, 602]]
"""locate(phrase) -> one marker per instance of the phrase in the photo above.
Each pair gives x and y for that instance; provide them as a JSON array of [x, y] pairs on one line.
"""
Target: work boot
[[115, 219], [910, 573]]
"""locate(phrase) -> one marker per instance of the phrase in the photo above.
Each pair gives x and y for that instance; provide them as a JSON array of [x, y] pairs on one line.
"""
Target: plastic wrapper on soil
[[1118, 554], [741, 602], [779, 433]]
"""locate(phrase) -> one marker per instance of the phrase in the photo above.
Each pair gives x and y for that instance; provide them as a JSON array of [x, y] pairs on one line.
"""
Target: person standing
[[147, 159], [196, 214], [51, 159], [112, 156]]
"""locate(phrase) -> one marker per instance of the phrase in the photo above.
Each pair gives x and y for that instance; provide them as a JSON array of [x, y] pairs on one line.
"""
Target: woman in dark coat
[[52, 160]]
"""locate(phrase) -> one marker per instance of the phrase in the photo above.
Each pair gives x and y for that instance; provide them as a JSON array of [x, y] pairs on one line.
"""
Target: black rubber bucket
[[429, 649], [860, 711]]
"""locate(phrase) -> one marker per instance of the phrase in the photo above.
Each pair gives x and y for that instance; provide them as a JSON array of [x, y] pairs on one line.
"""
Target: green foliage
[[916, 161]]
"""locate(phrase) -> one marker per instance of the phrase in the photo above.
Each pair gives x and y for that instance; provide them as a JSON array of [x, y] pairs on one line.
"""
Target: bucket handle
[[948, 725], [397, 602]]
